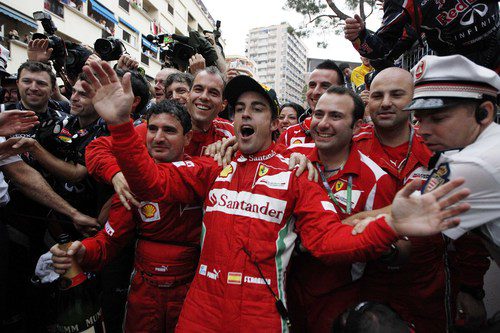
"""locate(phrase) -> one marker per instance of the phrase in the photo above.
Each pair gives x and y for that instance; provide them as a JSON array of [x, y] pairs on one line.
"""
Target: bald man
[[419, 278]]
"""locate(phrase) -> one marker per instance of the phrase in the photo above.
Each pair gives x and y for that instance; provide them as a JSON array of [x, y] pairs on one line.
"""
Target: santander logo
[[255, 206]]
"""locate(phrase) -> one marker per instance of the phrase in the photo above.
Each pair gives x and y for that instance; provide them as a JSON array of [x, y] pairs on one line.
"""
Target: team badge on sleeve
[[437, 178]]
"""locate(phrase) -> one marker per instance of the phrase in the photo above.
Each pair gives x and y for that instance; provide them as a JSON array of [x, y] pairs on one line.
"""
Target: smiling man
[[326, 74], [318, 293], [252, 209], [205, 102]]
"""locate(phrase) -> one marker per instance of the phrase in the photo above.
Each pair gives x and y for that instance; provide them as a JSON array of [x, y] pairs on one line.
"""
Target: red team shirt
[[297, 139], [324, 291]]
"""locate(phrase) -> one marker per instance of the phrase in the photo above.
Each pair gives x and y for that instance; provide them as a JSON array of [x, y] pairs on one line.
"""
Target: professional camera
[[216, 36], [59, 51], [66, 55], [109, 48], [177, 49]]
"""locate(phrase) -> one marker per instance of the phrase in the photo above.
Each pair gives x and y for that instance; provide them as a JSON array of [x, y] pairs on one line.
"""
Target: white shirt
[[479, 164], [4, 194]]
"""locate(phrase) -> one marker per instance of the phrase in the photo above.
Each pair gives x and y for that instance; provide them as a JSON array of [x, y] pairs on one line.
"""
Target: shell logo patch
[[297, 141], [226, 171], [263, 170], [149, 211]]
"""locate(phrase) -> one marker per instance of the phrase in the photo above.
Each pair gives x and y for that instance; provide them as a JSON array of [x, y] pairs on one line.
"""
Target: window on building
[[144, 59], [126, 36], [170, 8], [124, 4]]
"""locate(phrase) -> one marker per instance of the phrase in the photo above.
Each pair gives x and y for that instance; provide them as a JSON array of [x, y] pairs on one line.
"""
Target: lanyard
[[403, 163], [332, 196], [410, 144]]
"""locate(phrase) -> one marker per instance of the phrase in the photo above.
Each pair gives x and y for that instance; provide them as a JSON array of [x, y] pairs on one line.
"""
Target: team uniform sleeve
[[483, 181], [322, 233], [118, 231], [182, 182], [99, 159], [100, 162], [377, 45]]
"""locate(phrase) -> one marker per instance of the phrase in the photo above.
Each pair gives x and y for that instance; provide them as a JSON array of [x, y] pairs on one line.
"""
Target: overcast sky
[[238, 17]]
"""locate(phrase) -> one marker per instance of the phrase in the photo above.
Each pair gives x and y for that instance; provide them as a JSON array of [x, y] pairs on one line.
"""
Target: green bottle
[[77, 301]]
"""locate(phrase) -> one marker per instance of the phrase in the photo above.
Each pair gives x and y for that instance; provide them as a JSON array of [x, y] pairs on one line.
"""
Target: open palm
[[112, 99], [429, 213]]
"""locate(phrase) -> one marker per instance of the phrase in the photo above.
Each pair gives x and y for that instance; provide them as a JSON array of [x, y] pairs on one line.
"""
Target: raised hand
[[353, 26], [126, 62], [38, 50], [112, 99], [17, 121], [430, 213]]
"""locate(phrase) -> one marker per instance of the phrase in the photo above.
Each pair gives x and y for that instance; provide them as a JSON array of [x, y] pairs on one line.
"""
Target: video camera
[[68, 57], [176, 49], [109, 48]]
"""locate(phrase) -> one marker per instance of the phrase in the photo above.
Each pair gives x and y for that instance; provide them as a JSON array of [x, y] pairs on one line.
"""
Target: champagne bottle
[[78, 307]]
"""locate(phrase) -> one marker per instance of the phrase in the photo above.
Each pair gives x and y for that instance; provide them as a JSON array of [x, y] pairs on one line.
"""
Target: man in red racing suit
[[206, 92], [252, 208], [168, 234]]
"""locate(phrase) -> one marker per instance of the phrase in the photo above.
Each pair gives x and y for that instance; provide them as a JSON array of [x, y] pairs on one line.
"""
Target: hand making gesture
[[112, 99]]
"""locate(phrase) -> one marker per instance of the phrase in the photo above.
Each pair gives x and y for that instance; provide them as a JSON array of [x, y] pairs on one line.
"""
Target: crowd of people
[[201, 204]]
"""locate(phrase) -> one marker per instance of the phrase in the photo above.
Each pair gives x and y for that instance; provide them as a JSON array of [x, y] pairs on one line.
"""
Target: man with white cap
[[455, 101]]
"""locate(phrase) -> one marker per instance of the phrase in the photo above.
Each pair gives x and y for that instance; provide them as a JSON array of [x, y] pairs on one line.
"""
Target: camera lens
[[70, 58], [103, 46]]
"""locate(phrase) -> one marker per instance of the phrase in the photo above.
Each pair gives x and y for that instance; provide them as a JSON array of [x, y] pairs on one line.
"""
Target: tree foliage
[[326, 16]]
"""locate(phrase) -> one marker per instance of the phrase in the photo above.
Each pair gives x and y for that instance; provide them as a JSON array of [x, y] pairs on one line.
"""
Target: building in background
[[281, 60], [243, 65], [83, 21]]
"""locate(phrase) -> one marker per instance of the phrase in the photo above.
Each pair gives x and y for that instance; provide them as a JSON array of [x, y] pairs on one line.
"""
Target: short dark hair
[[36, 67], [174, 109], [215, 71], [185, 78], [344, 65], [140, 87], [331, 65], [298, 109], [359, 106]]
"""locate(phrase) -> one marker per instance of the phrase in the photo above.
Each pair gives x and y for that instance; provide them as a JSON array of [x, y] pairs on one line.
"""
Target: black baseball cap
[[244, 83]]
